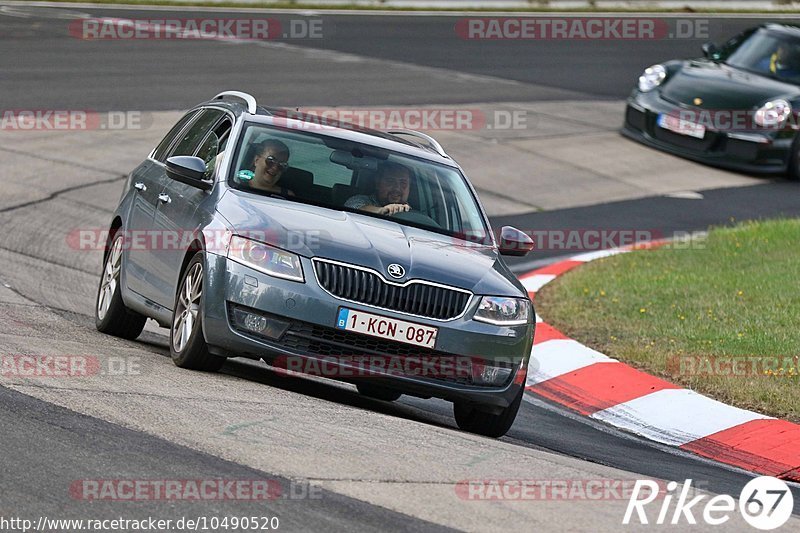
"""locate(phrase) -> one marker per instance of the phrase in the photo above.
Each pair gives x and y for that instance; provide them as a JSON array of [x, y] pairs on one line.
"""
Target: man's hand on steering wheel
[[391, 209]]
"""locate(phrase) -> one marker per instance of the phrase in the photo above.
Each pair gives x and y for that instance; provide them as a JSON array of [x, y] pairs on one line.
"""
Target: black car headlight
[[265, 258], [773, 114], [503, 311], [652, 78]]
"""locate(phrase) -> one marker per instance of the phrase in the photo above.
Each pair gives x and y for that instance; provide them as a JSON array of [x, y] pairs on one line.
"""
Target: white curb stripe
[[591, 256], [560, 356], [537, 281], [675, 416]]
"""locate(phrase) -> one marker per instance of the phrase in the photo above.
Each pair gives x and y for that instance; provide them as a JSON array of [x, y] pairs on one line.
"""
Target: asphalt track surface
[[165, 75], [43, 67]]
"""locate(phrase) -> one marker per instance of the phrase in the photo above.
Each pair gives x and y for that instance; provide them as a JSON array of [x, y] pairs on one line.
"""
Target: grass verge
[[721, 316]]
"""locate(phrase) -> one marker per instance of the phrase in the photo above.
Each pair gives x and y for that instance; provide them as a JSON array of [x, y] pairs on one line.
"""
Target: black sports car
[[736, 108]]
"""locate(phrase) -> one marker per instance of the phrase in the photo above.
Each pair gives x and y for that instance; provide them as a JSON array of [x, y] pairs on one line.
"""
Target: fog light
[[484, 373], [253, 322]]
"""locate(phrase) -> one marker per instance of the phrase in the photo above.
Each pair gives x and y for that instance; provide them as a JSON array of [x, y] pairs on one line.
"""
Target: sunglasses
[[271, 161]]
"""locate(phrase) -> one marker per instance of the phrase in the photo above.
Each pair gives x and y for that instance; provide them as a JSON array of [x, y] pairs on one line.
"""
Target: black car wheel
[[110, 314], [794, 161], [471, 418], [187, 344], [379, 393]]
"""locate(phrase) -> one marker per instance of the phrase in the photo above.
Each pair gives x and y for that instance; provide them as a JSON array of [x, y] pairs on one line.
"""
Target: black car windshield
[[769, 53], [313, 168]]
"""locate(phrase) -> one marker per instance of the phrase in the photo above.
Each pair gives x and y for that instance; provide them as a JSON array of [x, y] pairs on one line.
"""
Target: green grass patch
[[688, 313]]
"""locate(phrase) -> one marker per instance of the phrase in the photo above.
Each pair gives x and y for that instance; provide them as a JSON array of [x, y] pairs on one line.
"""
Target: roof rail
[[431, 142], [251, 102]]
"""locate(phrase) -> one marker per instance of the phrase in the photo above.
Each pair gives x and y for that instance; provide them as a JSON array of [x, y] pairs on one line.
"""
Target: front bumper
[[766, 152], [310, 314]]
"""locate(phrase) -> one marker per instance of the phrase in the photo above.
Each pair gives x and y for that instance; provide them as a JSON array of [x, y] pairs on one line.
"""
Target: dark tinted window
[[773, 54], [163, 146], [196, 133]]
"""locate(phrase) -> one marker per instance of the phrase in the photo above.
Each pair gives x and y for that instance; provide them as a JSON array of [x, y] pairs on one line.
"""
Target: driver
[[782, 61], [391, 191]]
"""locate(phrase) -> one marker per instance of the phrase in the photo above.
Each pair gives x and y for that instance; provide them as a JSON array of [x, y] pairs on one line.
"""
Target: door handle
[[140, 186], [164, 198]]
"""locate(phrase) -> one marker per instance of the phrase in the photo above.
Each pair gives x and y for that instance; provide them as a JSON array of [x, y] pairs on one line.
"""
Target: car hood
[[723, 87], [371, 242]]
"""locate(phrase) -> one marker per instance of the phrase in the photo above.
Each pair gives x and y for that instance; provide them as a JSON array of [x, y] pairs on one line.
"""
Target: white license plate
[[681, 126], [386, 328]]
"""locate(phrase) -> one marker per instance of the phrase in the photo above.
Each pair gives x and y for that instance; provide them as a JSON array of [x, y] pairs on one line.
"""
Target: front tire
[[187, 344], [110, 314], [471, 418]]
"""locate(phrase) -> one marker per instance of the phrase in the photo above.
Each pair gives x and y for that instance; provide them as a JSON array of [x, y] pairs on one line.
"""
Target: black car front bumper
[[764, 152]]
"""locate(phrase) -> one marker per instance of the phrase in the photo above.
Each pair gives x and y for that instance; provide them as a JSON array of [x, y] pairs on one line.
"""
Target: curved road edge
[[568, 373]]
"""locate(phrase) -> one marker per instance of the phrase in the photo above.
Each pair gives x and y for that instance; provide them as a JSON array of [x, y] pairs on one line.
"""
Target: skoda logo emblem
[[396, 271]]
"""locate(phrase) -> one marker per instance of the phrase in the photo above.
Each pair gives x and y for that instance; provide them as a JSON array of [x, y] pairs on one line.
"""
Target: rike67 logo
[[765, 503]]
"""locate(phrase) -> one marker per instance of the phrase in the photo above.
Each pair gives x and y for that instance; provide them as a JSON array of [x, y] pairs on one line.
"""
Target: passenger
[[392, 187], [270, 160], [781, 62]]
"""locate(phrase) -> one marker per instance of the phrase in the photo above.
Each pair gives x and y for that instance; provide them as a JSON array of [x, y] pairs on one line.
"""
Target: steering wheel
[[417, 218]]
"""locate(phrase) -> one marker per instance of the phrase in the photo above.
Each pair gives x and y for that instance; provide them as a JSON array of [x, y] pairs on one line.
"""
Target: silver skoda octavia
[[323, 249]]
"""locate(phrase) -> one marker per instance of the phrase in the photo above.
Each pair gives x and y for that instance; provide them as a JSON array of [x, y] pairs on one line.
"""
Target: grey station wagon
[[322, 249]]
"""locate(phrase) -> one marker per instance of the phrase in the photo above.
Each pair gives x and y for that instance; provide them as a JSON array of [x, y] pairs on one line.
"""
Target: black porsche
[[737, 108]]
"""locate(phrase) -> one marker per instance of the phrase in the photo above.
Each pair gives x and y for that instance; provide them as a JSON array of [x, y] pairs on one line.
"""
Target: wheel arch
[[116, 224]]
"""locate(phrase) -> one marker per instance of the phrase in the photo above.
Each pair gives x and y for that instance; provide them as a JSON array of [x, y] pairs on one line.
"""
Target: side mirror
[[514, 242], [189, 170], [711, 51]]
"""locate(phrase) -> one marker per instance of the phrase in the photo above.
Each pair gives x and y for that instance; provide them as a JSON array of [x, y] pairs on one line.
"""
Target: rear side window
[[192, 137], [161, 150]]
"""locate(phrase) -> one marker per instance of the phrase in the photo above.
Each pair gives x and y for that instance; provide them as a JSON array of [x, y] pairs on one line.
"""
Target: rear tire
[[471, 418], [110, 314], [378, 393], [187, 344]]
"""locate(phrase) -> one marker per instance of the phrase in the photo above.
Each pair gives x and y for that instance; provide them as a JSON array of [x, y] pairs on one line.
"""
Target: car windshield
[[769, 53], [340, 174]]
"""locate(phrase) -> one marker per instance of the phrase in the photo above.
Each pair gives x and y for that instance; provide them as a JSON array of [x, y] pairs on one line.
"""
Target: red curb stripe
[[556, 269], [545, 332], [599, 386], [769, 447]]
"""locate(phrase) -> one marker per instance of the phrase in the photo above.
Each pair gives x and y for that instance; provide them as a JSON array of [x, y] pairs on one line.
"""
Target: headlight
[[773, 114], [652, 78], [265, 258], [503, 311]]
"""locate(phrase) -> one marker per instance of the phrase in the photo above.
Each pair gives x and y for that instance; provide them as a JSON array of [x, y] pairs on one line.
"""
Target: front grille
[[417, 298]]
